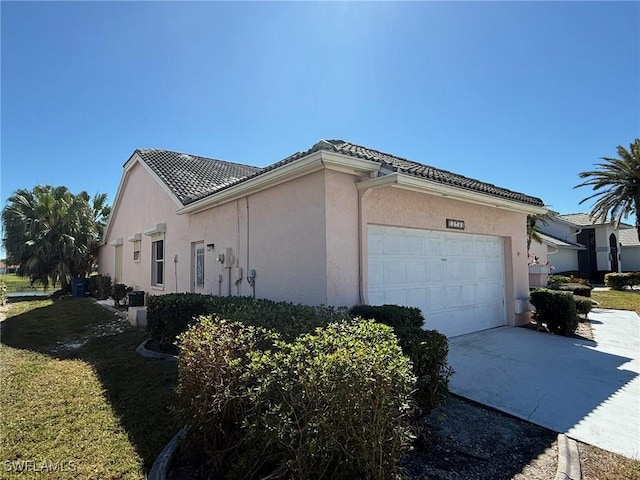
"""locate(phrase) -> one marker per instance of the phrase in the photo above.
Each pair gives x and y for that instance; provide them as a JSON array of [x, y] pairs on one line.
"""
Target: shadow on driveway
[[588, 390]]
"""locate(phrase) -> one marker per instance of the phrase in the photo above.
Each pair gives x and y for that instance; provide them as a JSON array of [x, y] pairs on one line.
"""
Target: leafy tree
[[53, 234], [618, 180]]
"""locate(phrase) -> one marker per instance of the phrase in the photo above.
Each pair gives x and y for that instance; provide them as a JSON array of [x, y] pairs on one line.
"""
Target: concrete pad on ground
[[587, 390]]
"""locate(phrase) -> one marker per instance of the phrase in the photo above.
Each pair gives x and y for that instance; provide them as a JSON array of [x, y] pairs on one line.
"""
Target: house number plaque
[[455, 224]]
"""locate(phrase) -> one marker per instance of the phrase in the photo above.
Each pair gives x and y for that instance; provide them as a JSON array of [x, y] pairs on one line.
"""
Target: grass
[[618, 300], [74, 393], [16, 283]]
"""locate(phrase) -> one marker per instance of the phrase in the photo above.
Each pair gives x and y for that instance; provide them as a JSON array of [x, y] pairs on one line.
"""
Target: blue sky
[[522, 95]]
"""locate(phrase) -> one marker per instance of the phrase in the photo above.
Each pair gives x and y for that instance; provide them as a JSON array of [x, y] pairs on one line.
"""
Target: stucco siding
[[564, 260], [285, 243], [287, 240], [342, 256], [143, 203]]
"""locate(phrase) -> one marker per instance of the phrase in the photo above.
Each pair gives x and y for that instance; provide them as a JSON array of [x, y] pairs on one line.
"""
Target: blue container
[[78, 287]]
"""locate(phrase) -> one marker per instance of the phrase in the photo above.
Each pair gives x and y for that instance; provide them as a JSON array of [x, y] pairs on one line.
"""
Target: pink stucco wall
[[301, 236], [286, 244]]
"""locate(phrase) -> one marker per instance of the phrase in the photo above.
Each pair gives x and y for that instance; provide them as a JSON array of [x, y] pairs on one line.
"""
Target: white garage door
[[456, 279]]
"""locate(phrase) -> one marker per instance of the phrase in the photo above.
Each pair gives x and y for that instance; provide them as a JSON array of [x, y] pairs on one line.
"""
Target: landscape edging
[[568, 459], [160, 467], [145, 352]]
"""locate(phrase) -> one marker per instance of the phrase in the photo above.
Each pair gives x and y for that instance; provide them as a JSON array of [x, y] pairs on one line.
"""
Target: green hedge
[[99, 286], [427, 349], [618, 281], [556, 309], [335, 403], [558, 279], [170, 315], [575, 288], [583, 305]]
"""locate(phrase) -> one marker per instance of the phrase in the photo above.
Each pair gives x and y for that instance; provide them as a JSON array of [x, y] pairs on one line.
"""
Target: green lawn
[[73, 391], [618, 300], [16, 283]]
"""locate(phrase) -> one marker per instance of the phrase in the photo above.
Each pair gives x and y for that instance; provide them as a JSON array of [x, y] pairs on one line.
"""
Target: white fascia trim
[[303, 166], [136, 237], [117, 242], [153, 229], [425, 186]]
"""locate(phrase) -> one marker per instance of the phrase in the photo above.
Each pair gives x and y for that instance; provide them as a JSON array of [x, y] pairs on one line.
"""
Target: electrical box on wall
[[238, 274], [229, 259]]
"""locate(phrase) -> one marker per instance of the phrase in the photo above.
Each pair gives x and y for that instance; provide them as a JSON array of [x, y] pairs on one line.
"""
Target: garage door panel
[[375, 244], [416, 272], [376, 274], [456, 279], [415, 246], [393, 244], [417, 296], [398, 297], [394, 273]]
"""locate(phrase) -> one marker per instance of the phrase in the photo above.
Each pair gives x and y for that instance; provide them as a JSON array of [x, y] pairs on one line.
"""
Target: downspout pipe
[[362, 226]]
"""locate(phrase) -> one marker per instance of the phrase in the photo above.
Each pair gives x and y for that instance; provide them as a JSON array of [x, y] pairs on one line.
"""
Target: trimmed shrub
[[618, 281], [99, 286], [170, 315], [554, 280], [214, 382], [575, 288], [556, 309], [335, 403], [119, 292], [583, 305], [427, 350]]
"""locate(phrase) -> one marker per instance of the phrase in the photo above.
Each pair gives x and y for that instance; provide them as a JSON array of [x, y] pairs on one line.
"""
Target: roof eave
[[290, 171], [423, 185]]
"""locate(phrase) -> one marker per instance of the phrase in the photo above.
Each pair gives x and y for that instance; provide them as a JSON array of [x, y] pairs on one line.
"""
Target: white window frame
[[157, 262], [199, 261], [137, 248]]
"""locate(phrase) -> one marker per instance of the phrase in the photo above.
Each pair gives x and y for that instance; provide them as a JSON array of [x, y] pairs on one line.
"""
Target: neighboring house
[[578, 243], [629, 249], [3, 268], [338, 224]]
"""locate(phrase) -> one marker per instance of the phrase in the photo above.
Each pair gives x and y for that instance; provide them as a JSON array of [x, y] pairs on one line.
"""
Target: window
[[157, 263], [136, 250], [200, 267]]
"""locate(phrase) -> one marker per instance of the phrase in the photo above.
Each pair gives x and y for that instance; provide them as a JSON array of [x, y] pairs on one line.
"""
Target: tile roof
[[192, 178], [581, 219], [427, 172], [628, 237], [558, 242]]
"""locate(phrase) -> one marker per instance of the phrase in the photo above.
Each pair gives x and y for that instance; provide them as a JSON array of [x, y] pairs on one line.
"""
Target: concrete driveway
[[588, 390]]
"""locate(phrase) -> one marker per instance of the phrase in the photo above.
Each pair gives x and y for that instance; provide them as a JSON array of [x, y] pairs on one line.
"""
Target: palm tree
[[533, 230], [53, 234], [619, 179]]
